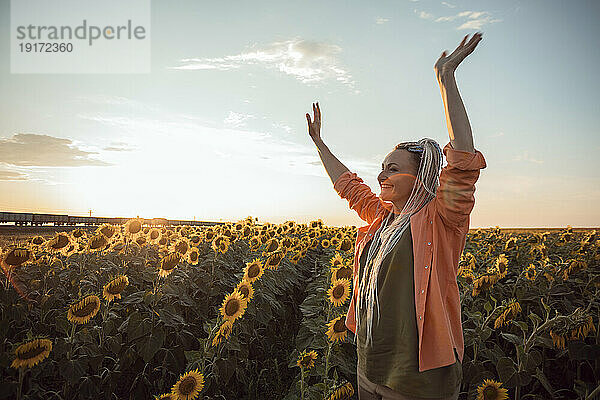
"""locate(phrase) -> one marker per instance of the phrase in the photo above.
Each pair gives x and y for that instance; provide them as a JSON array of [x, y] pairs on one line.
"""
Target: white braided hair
[[386, 237]]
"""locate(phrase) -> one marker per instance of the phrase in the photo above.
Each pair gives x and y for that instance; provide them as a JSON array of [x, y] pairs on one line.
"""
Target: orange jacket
[[439, 231]]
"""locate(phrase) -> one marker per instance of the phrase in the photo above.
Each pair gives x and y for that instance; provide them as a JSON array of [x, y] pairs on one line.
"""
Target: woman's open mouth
[[385, 186]]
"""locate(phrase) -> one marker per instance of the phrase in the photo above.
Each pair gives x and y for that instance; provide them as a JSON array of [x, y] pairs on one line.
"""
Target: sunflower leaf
[[544, 381], [511, 338], [151, 344], [506, 369]]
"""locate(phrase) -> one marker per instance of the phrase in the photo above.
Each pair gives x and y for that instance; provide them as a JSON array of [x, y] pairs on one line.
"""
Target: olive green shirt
[[392, 358]]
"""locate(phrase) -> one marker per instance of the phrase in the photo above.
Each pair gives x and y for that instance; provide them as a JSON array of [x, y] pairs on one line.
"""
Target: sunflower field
[[257, 311]]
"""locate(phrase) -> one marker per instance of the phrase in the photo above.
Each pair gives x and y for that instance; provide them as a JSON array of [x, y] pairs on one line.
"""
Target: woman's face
[[397, 177]]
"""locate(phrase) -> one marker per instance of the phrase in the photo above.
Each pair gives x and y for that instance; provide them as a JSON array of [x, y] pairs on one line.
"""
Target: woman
[[405, 308]]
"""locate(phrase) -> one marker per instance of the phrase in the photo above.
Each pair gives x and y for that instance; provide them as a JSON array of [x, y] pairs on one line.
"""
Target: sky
[[217, 130]]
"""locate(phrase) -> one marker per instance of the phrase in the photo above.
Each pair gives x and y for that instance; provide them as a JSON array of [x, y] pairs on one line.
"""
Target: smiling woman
[[408, 261], [398, 174]]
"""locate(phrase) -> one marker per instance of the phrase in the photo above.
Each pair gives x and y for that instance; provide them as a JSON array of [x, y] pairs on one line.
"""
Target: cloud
[[29, 150], [237, 120], [448, 4], [424, 15], [475, 19], [307, 60], [381, 21], [199, 143], [478, 23], [12, 176], [286, 128], [118, 146], [186, 144], [525, 157], [498, 134]]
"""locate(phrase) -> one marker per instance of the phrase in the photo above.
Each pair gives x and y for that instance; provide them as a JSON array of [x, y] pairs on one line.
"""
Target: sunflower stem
[[212, 273], [515, 285], [598, 339], [326, 370], [71, 341], [20, 387], [302, 382], [327, 357], [104, 316]]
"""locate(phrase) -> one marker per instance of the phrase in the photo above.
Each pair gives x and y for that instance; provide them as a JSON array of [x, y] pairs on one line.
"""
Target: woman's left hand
[[446, 65]]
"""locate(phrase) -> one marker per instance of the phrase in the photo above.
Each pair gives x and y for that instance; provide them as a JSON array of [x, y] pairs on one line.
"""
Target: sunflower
[[182, 247], [59, 243], [254, 243], [345, 245], [78, 233], [223, 332], [165, 396], [163, 241], [141, 240], [133, 226], [224, 246], [253, 270], [343, 392], [29, 354], [112, 290], [336, 261], [209, 234], [195, 240], [577, 324], [168, 263], [153, 235], [189, 385], [97, 242], [530, 272], [220, 243], [107, 230], [295, 258], [118, 247], [37, 241], [72, 249], [339, 292], [270, 246], [512, 308], [510, 243], [484, 282], [491, 390], [17, 256], [83, 310], [233, 307], [307, 360], [193, 256], [343, 272], [337, 329], [501, 265], [245, 289], [274, 260]]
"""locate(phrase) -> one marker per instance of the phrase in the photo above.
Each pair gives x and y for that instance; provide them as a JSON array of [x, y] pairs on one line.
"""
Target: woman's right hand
[[314, 128]]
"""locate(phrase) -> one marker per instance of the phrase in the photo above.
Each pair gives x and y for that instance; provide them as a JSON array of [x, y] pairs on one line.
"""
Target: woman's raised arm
[[333, 166], [348, 185], [457, 120]]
